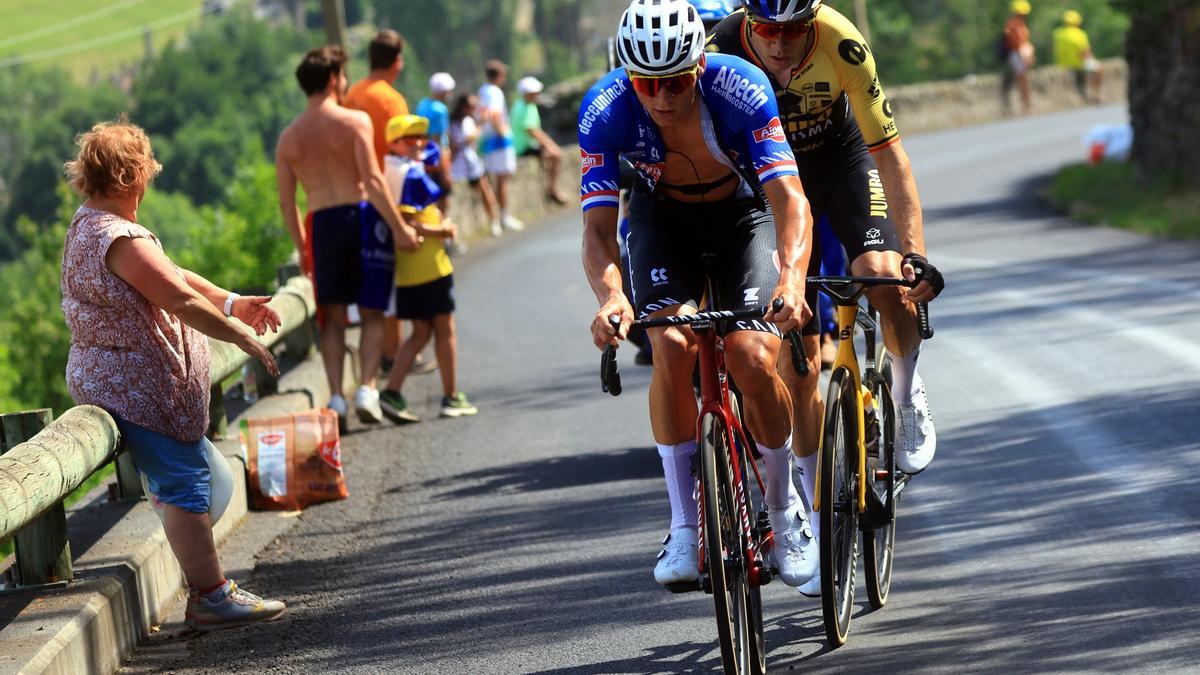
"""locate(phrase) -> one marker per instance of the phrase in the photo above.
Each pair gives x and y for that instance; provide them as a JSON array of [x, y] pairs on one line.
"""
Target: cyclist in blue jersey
[[716, 198]]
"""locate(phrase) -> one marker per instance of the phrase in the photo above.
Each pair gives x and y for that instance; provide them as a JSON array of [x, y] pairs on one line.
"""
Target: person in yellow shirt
[[425, 277], [1073, 51]]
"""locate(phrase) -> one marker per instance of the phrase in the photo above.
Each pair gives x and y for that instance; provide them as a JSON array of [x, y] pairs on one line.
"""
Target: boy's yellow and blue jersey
[[418, 197]]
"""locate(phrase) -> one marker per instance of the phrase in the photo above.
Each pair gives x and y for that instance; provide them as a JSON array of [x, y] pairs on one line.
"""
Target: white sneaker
[[366, 404], [918, 440], [679, 559], [796, 556], [512, 223], [496, 229]]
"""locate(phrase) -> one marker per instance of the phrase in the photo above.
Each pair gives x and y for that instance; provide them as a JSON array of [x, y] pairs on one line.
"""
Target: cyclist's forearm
[[895, 172], [601, 254], [793, 227]]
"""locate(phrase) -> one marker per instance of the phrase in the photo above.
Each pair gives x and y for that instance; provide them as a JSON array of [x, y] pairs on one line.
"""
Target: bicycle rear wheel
[[724, 558], [839, 507], [879, 545]]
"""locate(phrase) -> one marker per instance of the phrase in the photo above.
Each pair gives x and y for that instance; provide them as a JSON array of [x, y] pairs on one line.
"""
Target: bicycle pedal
[[683, 586]]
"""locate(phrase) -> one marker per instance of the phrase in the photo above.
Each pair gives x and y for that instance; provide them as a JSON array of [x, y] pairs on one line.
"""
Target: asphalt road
[[1056, 531]]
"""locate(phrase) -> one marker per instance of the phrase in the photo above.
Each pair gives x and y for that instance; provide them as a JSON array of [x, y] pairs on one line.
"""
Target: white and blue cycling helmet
[[712, 11], [659, 37], [781, 11]]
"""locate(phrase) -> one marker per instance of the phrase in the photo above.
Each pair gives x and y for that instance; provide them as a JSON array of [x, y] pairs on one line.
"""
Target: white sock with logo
[[807, 466], [904, 376], [781, 491], [681, 485]]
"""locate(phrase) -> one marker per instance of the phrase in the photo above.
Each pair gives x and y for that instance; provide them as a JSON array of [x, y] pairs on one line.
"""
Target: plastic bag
[[294, 460]]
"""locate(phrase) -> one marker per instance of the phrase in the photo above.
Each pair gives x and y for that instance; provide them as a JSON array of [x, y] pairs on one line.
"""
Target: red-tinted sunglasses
[[676, 83], [781, 31]]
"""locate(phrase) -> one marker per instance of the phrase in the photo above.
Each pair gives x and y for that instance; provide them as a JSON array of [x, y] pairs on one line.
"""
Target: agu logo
[[773, 132], [590, 161]]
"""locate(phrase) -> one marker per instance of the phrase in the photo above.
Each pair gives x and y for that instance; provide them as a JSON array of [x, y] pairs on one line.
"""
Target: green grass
[[88, 37], [1111, 194]]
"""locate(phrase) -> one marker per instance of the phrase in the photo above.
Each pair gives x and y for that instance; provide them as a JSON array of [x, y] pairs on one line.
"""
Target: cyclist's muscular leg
[[899, 319], [807, 406], [752, 357], [673, 408]]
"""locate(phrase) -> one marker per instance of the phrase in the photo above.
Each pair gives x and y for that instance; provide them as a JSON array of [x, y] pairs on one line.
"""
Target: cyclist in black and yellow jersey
[[854, 169]]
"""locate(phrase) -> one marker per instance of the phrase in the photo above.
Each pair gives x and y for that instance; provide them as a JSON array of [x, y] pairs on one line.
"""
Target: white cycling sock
[[904, 376], [681, 485], [781, 491], [504, 215], [807, 466]]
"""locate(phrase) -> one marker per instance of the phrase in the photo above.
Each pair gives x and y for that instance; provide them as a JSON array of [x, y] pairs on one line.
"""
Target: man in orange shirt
[[374, 94], [1020, 56]]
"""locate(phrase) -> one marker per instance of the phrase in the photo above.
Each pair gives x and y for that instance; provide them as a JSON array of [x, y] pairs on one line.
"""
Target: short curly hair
[[114, 159]]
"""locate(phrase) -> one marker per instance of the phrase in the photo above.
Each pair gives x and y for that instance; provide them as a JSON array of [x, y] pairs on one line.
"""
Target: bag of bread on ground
[[293, 460]]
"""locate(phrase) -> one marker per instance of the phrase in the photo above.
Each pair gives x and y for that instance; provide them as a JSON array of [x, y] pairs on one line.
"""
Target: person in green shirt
[[1073, 51], [530, 139]]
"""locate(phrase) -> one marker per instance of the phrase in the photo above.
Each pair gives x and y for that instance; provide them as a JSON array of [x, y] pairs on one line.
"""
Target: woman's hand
[[255, 313], [259, 351]]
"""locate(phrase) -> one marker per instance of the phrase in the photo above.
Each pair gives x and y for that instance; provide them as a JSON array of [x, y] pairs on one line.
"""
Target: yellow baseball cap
[[406, 125], [1021, 7], [1072, 18]]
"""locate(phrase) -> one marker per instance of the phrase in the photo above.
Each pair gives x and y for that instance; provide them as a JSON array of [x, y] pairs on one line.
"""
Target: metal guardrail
[[42, 461]]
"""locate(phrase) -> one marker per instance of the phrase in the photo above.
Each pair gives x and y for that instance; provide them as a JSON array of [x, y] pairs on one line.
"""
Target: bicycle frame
[[850, 314], [715, 400]]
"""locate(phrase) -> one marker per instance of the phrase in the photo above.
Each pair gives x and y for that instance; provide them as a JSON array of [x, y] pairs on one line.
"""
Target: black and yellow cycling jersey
[[834, 104]]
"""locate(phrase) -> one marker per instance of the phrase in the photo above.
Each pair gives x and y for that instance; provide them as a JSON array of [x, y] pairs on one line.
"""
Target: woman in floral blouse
[[138, 349]]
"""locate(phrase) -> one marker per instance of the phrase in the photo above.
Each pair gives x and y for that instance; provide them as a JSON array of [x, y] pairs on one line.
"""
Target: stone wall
[[976, 99], [527, 195]]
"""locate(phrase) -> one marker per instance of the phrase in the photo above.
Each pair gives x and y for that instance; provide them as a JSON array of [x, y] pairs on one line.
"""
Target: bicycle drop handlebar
[[610, 376], [844, 290]]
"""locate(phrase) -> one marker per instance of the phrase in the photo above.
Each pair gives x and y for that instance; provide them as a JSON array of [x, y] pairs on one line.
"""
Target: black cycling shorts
[[675, 247], [857, 207]]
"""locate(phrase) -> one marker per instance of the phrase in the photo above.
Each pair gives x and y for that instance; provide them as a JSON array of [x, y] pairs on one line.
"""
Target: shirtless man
[[355, 229], [716, 196]]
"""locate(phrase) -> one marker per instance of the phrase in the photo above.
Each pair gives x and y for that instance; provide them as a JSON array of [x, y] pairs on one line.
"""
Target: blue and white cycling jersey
[[739, 119]]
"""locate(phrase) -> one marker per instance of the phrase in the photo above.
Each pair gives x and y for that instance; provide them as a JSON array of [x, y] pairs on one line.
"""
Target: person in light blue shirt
[[434, 108]]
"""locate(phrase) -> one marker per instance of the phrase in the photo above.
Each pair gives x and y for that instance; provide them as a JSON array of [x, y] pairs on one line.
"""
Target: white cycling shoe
[[679, 560], [918, 439], [796, 556]]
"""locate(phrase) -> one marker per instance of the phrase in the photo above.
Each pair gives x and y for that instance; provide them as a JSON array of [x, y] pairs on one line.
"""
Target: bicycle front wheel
[[839, 507], [879, 545], [724, 558]]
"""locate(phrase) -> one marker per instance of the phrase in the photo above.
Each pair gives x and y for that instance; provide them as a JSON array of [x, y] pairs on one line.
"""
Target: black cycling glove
[[925, 272]]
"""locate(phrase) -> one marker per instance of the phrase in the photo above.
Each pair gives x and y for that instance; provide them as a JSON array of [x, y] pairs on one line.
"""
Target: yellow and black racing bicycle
[[858, 484]]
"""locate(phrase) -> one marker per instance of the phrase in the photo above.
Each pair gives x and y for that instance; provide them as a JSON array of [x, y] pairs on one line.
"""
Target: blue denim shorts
[[177, 472]]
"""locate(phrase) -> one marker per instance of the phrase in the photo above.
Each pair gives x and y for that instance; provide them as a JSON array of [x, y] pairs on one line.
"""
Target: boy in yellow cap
[[424, 278], [1073, 51]]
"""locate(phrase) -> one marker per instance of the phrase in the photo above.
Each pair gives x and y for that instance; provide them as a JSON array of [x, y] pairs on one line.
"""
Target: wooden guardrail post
[[43, 551], [129, 485]]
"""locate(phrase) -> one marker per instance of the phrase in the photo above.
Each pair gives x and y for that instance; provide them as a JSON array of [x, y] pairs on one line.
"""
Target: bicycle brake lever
[[610, 376], [923, 321], [799, 360]]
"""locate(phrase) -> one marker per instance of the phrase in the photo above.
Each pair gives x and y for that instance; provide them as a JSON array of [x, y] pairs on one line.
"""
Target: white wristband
[[229, 303]]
